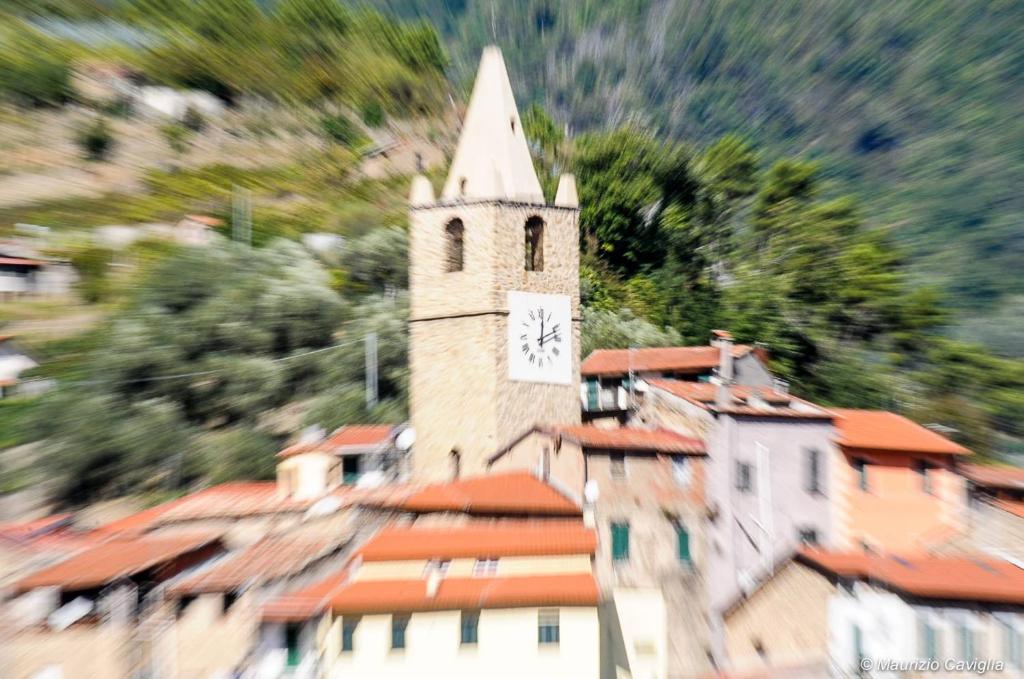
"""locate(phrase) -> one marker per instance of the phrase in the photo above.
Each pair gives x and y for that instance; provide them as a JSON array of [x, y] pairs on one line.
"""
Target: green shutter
[[620, 541], [593, 394], [683, 542]]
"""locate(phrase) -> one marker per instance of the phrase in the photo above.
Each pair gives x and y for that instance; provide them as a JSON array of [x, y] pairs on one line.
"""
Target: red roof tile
[[20, 261], [517, 493], [273, 557], [994, 476], [520, 538], [633, 439], [384, 596], [612, 362], [106, 562], [949, 578], [879, 430], [746, 400], [1015, 507], [19, 530], [305, 603], [354, 436]]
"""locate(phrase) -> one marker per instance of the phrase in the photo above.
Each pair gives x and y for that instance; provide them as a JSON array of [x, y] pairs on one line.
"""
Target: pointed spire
[[421, 193], [566, 195], [492, 160]]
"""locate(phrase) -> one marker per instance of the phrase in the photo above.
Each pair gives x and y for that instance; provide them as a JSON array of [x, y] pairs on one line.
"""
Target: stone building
[[494, 293]]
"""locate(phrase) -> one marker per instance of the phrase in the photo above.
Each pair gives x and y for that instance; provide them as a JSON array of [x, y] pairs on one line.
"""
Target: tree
[[621, 330], [378, 261], [95, 139]]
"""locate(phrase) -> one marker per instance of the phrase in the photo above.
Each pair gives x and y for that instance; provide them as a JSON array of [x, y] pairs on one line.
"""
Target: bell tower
[[494, 293]]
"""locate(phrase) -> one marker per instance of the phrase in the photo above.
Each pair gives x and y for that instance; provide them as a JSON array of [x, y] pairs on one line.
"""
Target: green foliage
[[620, 330], [193, 119], [177, 136], [341, 130], [95, 139], [209, 344], [34, 68], [378, 261], [93, 266]]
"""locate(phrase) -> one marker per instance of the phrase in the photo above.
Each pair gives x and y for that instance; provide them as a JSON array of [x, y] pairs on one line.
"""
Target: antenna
[[371, 370]]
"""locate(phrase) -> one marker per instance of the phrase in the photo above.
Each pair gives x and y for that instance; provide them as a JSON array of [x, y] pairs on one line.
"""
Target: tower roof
[[492, 160]]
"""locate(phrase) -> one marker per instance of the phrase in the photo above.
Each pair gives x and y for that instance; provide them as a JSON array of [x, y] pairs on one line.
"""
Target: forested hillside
[[910, 106]]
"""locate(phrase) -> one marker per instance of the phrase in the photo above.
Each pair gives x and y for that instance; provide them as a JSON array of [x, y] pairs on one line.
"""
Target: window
[[398, 625], [808, 536], [183, 603], [926, 478], [547, 626], [485, 567], [620, 542], [858, 646], [455, 459], [617, 465], [229, 600], [683, 543], [453, 235], [682, 471], [966, 636], [291, 643], [350, 469], [813, 471], [348, 633], [534, 244], [462, 186], [470, 627], [1012, 642], [860, 465], [593, 394], [927, 640], [744, 477]]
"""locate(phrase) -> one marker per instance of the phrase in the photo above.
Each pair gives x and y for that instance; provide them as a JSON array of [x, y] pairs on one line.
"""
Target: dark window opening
[[470, 627], [620, 542], [617, 465], [462, 186], [350, 469], [861, 466], [348, 633], [535, 244], [229, 600], [291, 642], [808, 536], [455, 459], [744, 477], [398, 625], [454, 233], [813, 471], [923, 469]]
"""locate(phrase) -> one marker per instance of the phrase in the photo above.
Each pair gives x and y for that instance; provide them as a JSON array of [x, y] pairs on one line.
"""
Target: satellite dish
[[591, 492], [405, 440]]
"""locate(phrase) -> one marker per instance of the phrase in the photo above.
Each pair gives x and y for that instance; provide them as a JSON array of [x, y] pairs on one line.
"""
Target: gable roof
[[384, 596], [306, 602], [981, 579], [745, 400], [351, 437], [110, 560], [516, 493], [486, 540], [694, 360], [879, 430], [633, 439], [492, 157]]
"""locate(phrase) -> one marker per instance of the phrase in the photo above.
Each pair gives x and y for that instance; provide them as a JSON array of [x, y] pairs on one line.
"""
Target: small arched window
[[455, 459], [453, 237], [535, 244], [462, 187]]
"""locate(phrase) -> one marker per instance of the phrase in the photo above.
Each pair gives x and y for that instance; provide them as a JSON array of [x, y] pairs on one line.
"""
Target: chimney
[[723, 340]]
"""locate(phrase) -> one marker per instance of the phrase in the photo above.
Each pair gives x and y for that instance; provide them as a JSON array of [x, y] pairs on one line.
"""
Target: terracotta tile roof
[[994, 476], [884, 431], [23, 530], [206, 220], [227, 501], [273, 557], [107, 561], [304, 603], [384, 596], [633, 439], [612, 362], [517, 493], [751, 401], [20, 261], [934, 577], [518, 538], [353, 436], [1015, 507]]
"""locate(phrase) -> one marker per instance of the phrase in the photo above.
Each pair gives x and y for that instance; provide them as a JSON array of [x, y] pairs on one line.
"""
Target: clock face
[[539, 338]]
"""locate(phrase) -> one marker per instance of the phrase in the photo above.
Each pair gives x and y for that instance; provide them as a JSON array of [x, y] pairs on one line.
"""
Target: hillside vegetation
[[911, 106]]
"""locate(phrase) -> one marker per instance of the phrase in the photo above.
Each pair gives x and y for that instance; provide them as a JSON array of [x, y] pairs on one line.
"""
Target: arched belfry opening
[[455, 461], [534, 237], [454, 234]]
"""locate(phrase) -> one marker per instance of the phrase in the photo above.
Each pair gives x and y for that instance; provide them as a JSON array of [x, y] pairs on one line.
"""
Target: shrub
[[96, 140], [342, 130], [193, 119]]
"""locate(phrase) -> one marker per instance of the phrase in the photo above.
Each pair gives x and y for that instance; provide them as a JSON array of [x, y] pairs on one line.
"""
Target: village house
[[504, 599], [608, 375], [824, 613]]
